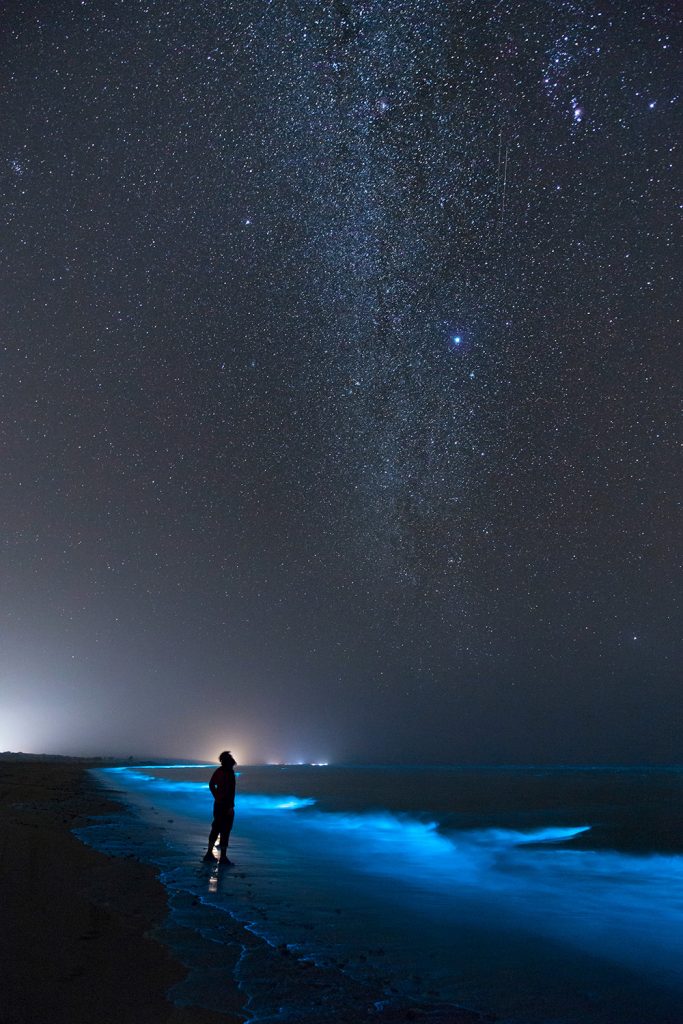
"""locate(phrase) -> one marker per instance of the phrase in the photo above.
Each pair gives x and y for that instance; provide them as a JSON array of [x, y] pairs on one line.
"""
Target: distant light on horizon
[[238, 741], [38, 725], [297, 764]]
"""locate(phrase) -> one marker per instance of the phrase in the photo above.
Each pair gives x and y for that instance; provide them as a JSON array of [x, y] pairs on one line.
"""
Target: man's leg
[[226, 828], [213, 836]]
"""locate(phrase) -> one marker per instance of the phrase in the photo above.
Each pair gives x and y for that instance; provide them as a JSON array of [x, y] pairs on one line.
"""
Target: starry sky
[[339, 379]]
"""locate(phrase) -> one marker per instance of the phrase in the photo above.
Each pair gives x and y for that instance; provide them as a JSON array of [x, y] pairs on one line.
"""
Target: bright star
[[456, 342]]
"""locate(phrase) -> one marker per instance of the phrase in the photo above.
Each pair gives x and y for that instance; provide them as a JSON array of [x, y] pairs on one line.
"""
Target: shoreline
[[78, 939]]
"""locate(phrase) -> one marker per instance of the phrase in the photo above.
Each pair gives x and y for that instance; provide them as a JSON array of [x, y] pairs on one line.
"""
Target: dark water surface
[[538, 895]]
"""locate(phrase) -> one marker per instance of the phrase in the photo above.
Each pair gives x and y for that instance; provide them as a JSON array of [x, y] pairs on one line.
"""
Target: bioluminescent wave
[[197, 795], [449, 903]]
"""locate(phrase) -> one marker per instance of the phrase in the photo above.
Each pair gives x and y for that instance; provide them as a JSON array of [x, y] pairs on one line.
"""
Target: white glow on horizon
[[239, 752], [34, 727]]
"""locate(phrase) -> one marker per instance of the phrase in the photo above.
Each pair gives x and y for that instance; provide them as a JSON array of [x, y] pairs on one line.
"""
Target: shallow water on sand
[[539, 895]]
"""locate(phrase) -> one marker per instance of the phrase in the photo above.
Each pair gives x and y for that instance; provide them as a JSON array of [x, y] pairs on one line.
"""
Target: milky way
[[338, 368]]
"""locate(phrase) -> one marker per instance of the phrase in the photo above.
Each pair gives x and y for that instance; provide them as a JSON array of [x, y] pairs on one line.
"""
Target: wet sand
[[76, 943]]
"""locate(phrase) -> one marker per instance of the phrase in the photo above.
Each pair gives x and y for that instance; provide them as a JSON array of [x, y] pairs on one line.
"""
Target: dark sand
[[75, 942]]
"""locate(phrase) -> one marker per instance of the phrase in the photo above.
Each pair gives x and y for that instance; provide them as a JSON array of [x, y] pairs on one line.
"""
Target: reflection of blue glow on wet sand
[[408, 883]]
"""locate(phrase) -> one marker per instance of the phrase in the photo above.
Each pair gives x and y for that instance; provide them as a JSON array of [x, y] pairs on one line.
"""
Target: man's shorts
[[223, 816]]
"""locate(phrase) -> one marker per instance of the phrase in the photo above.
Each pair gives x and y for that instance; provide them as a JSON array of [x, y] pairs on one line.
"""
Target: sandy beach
[[77, 939]]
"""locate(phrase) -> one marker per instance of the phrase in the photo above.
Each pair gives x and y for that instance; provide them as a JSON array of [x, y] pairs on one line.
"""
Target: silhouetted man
[[222, 785]]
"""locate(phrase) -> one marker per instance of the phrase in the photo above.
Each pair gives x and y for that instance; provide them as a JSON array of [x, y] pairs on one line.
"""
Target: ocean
[[386, 893]]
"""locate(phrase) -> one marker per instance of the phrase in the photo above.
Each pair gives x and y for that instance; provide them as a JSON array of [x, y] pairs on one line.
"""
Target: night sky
[[339, 379]]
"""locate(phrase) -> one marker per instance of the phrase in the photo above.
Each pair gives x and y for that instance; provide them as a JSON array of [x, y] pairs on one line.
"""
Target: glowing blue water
[[521, 921]]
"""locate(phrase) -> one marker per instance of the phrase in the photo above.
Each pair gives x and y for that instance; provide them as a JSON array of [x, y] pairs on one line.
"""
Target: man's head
[[226, 759]]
